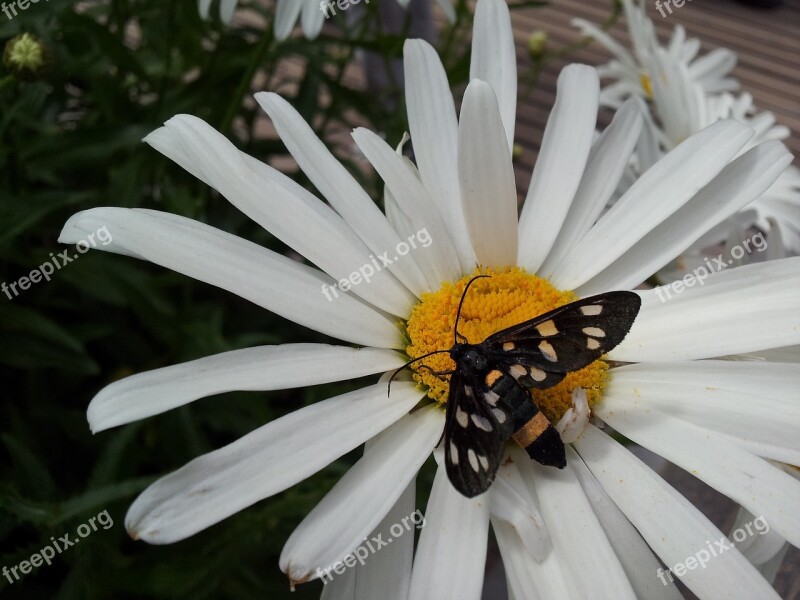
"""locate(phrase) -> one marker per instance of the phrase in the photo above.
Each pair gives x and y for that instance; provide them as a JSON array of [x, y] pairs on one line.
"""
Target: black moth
[[489, 400]]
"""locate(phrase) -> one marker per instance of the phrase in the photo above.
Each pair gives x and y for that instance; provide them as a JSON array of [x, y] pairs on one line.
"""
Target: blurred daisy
[[599, 523], [226, 9], [633, 71], [313, 14]]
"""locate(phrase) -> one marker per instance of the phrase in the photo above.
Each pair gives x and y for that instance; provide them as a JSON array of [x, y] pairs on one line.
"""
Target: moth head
[[469, 356]]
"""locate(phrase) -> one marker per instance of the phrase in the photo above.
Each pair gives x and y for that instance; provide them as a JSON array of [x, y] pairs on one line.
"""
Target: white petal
[[266, 278], [575, 530], [728, 397], [387, 574], [747, 479], [512, 503], [279, 205], [738, 184], [669, 523], [263, 462], [576, 417], [634, 554], [338, 186], [746, 309], [313, 18], [362, 498], [286, 17], [434, 132], [609, 156], [528, 578], [251, 369], [439, 261], [451, 555], [226, 10], [203, 7], [656, 195], [486, 175], [562, 159], [494, 59]]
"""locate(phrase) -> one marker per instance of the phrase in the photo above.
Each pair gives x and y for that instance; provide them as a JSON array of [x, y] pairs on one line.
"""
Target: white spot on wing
[[473, 460], [482, 422], [508, 346], [518, 371], [499, 415], [547, 350], [592, 344], [453, 453], [547, 328], [462, 417], [592, 310], [594, 332], [491, 397], [484, 462], [538, 374]]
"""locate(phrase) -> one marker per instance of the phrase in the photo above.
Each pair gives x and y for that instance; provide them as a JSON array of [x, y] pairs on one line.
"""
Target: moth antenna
[[456, 335], [408, 364]]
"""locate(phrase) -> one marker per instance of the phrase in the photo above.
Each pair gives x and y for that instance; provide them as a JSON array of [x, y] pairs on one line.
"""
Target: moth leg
[[437, 373]]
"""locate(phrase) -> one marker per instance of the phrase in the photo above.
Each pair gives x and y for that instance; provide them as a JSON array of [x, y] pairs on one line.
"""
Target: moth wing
[[477, 425], [540, 352]]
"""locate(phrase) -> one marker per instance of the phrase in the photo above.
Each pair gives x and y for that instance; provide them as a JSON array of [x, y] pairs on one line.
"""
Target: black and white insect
[[490, 401]]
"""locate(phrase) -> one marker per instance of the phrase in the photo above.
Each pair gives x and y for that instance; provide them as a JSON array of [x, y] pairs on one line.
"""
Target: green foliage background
[[71, 140]]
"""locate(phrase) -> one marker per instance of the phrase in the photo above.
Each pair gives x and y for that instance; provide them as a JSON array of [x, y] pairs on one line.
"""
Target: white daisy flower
[[632, 70], [313, 14], [600, 522], [226, 9]]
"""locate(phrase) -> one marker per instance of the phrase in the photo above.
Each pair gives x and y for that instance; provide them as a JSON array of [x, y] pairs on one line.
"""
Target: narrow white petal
[[575, 530], [203, 7], [251, 369], [737, 185], [562, 159], [486, 175], [494, 59], [434, 133], [609, 156], [279, 205], [754, 403], [527, 577], [741, 310], [439, 261], [286, 17], [362, 498], [338, 186], [226, 10], [451, 555], [670, 524], [266, 278], [749, 480], [263, 462], [656, 195], [634, 554], [387, 574], [512, 503], [313, 18]]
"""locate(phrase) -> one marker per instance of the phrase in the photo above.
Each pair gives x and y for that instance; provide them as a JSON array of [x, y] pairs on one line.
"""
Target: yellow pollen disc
[[647, 85], [509, 297]]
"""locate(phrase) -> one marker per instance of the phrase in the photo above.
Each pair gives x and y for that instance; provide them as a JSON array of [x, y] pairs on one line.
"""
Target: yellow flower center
[[508, 297], [647, 85]]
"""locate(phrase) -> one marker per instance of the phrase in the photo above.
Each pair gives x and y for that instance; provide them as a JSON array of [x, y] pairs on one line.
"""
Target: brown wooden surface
[[766, 41]]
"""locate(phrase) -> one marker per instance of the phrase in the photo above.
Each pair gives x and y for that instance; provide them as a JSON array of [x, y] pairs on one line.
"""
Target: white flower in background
[[598, 524], [226, 9], [313, 15], [632, 71]]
